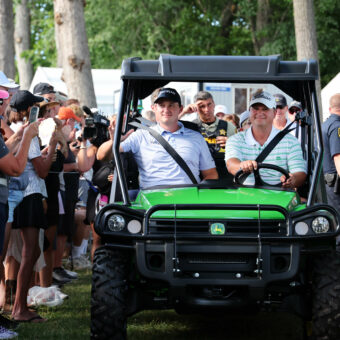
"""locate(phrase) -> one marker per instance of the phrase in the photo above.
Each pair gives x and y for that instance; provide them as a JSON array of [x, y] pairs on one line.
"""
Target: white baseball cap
[[244, 116], [220, 108], [5, 82], [264, 98]]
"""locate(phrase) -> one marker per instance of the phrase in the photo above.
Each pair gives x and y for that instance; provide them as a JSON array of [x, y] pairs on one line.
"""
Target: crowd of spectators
[[43, 227]]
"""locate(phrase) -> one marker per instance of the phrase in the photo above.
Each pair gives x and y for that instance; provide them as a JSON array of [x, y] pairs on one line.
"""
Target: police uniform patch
[[338, 132], [223, 132]]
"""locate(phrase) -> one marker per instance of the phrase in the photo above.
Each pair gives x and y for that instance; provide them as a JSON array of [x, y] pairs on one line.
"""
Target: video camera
[[303, 118], [95, 127]]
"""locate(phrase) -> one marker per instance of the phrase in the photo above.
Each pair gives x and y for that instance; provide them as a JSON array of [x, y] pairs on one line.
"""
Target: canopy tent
[[106, 83], [327, 92]]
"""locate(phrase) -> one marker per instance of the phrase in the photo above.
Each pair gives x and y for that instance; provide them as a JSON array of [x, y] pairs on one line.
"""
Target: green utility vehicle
[[219, 246]]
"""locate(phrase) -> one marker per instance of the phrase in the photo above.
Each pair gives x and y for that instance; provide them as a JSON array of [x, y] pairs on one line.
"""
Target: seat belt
[[266, 151], [172, 152]]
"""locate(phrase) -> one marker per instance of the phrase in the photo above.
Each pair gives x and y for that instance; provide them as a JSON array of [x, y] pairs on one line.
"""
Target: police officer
[[331, 140], [214, 130]]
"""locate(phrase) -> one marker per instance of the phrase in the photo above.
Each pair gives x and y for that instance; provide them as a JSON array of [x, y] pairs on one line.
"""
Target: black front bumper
[[217, 264]]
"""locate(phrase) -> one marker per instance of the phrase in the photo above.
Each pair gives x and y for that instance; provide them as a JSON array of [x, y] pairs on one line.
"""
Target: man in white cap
[[245, 121], [220, 111], [243, 148], [8, 85]]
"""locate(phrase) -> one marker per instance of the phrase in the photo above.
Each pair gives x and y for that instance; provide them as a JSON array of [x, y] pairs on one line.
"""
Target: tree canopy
[[145, 28]]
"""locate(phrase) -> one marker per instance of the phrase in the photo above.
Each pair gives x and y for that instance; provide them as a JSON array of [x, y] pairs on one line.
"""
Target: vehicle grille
[[232, 227], [214, 258]]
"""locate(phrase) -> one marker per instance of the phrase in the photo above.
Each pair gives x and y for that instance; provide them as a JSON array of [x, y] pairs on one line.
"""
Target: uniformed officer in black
[[331, 162], [214, 130]]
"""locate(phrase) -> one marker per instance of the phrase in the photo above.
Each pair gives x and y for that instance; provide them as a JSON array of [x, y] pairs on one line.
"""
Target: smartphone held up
[[33, 116]]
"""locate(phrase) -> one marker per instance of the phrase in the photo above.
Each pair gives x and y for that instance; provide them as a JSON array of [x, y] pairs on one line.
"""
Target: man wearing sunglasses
[[294, 108], [280, 120]]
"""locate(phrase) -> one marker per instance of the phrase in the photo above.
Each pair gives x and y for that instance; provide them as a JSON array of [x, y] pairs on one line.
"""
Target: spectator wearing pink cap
[[11, 87], [4, 98]]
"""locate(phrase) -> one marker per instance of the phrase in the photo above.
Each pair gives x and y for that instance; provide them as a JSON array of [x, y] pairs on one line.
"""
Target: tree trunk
[[305, 35], [6, 38], [258, 23], [22, 43], [70, 24], [58, 44]]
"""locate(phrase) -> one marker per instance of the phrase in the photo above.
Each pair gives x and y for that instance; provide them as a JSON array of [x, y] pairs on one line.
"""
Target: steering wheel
[[241, 176]]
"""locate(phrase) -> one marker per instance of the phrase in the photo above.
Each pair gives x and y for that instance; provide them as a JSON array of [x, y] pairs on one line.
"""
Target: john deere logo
[[217, 229]]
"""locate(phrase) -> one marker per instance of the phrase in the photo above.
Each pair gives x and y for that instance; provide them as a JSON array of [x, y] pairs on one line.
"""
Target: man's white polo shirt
[[157, 167]]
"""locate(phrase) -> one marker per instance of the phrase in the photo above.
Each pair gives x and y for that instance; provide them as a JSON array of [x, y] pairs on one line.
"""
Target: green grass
[[71, 321], [168, 325]]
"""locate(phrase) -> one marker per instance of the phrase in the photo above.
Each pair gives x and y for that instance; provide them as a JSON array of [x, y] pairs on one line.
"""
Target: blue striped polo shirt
[[287, 154]]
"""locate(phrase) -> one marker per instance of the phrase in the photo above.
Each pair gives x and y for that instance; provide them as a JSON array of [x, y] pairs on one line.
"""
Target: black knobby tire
[[109, 294], [326, 297]]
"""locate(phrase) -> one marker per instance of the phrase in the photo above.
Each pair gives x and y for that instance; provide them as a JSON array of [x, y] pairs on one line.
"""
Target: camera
[[95, 127]]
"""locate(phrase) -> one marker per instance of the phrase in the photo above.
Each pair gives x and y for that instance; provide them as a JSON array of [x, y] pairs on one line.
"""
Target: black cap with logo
[[170, 94], [280, 99]]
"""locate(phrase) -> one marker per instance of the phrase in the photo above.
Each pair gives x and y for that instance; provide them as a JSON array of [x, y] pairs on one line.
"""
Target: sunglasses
[[292, 111], [279, 107]]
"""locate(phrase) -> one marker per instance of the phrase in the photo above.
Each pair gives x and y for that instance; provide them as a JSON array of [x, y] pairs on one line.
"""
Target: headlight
[[301, 228], [134, 226], [116, 223], [320, 225]]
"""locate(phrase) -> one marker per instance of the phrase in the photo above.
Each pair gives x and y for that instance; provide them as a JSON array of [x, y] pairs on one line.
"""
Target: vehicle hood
[[239, 196]]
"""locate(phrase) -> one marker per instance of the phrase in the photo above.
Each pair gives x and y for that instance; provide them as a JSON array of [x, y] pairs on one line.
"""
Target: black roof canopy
[[151, 74]]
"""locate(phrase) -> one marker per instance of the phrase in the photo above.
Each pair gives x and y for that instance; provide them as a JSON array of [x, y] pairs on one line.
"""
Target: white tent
[[327, 92], [106, 85]]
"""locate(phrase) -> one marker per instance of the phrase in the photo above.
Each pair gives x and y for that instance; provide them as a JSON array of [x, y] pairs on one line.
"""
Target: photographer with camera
[[95, 132]]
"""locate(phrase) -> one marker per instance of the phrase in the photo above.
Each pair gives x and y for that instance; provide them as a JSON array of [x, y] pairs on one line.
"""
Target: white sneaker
[[7, 334], [80, 262], [74, 275]]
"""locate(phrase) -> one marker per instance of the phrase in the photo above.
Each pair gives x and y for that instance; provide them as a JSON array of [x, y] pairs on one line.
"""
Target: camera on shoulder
[[95, 126]]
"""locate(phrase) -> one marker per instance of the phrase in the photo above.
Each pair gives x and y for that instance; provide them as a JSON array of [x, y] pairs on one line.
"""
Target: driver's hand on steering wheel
[[288, 183], [248, 166]]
